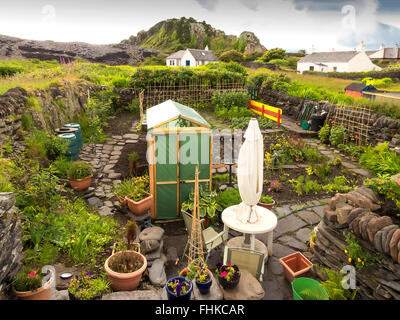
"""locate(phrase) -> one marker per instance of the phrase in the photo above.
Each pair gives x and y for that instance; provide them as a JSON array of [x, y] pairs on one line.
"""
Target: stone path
[[103, 158]]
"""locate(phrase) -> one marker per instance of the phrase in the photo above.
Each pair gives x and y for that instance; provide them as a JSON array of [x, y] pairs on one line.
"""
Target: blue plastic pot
[[173, 296], [204, 288]]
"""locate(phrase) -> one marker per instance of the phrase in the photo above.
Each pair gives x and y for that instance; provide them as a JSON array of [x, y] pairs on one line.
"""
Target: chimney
[[397, 51], [312, 50], [362, 46], [382, 47]]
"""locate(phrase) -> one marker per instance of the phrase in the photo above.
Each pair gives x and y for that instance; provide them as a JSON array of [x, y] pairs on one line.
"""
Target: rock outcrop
[[111, 54]]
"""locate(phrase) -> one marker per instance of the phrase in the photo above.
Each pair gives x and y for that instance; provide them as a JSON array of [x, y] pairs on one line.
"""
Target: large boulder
[[248, 288]]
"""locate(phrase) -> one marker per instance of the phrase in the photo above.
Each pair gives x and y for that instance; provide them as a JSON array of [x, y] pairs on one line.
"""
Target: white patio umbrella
[[250, 172]]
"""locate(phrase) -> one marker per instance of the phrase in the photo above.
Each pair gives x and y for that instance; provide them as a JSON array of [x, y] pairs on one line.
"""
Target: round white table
[[266, 223]]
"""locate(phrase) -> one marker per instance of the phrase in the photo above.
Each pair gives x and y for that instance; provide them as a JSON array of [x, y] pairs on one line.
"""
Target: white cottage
[[191, 58], [337, 61]]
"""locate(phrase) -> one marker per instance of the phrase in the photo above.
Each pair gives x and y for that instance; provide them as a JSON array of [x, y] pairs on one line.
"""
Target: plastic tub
[[314, 290]]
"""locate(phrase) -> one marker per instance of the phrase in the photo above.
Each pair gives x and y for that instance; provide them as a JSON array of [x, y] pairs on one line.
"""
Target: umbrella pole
[[246, 242]]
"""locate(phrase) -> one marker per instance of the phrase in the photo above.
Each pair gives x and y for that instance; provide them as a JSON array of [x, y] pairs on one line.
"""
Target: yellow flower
[[349, 260], [363, 263], [359, 260], [345, 251]]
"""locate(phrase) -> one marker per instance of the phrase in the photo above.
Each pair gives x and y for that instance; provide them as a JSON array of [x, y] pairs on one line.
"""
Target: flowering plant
[[87, 287], [202, 275], [179, 287], [274, 186], [226, 272], [27, 280]]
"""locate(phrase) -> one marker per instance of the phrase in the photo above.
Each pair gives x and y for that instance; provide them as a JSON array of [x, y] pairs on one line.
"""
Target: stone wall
[[57, 106], [10, 241], [380, 125], [377, 234]]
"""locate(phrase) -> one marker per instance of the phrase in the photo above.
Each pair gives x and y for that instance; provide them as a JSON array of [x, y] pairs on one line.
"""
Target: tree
[[276, 53], [231, 55]]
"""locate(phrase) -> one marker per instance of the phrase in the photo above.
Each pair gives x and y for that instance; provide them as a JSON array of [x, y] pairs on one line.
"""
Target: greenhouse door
[[194, 149]]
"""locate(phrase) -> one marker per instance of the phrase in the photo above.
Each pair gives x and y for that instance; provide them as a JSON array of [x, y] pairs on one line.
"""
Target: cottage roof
[[391, 53], [177, 55], [336, 56], [205, 55], [170, 110]]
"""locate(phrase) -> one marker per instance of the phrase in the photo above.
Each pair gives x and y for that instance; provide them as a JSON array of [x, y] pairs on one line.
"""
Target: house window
[[311, 68], [171, 62], [334, 69]]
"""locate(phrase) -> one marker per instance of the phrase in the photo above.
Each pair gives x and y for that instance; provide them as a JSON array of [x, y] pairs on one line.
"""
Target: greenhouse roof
[[170, 110]]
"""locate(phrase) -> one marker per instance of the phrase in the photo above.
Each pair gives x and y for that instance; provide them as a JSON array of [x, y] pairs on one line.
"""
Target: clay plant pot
[[125, 281], [184, 271], [230, 284], [42, 293], [141, 207], [295, 265], [173, 296], [122, 201], [204, 288], [80, 184], [268, 206]]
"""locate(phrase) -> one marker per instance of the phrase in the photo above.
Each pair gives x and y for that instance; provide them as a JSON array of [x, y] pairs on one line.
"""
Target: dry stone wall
[[379, 235]]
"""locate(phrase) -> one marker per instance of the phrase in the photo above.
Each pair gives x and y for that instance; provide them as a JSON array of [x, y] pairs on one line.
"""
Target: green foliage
[[45, 254], [133, 157], [228, 197], [27, 121], [380, 160], [154, 61], [136, 188], [357, 255], [133, 107], [352, 149], [275, 53], [386, 186], [79, 170], [324, 132], [337, 135], [266, 199], [230, 99], [7, 71], [61, 166], [208, 206], [381, 83], [334, 285], [304, 184], [33, 104], [45, 146], [315, 294], [231, 55], [279, 62], [243, 122]]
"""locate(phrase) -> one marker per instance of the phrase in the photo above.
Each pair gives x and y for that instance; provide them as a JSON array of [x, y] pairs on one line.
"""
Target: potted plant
[[191, 270], [123, 189], [28, 285], [80, 175], [179, 288], [139, 201], [133, 158], [208, 205], [87, 287], [266, 202], [228, 275], [295, 265], [203, 279]]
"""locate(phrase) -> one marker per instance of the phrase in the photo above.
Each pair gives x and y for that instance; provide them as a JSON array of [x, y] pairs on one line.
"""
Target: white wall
[[175, 62], [362, 62], [377, 55], [329, 67], [188, 56]]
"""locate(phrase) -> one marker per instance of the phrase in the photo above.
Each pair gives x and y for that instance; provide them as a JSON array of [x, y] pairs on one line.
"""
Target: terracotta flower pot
[[295, 265], [122, 201], [268, 206], [42, 293], [81, 184], [139, 208], [125, 281], [186, 270]]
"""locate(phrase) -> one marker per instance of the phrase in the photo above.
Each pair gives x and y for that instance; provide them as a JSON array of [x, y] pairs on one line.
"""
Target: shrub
[[230, 99], [27, 280], [79, 170], [27, 121], [61, 167], [228, 197], [272, 54], [45, 146], [231, 55], [337, 136], [279, 62], [324, 132], [133, 107], [380, 160], [386, 186]]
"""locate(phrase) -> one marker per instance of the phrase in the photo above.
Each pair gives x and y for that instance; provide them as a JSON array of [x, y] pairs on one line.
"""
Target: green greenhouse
[[179, 139]]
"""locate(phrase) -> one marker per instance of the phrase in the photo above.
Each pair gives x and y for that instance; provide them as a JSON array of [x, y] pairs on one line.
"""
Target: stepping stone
[[288, 224], [133, 295], [248, 288], [275, 266], [157, 274], [349, 165], [362, 172], [279, 250], [319, 211], [282, 211], [114, 175], [131, 136], [105, 211], [303, 234], [131, 141], [108, 204], [309, 217], [94, 202], [293, 243], [153, 233]]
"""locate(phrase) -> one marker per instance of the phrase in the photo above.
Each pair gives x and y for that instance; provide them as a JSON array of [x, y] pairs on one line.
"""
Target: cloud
[[208, 4], [251, 4]]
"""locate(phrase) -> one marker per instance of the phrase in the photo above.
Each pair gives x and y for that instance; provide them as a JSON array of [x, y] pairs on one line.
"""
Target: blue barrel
[[73, 149], [78, 133]]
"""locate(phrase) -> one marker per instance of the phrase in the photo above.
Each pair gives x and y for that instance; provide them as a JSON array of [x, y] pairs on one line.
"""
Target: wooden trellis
[[196, 252], [355, 120], [193, 92]]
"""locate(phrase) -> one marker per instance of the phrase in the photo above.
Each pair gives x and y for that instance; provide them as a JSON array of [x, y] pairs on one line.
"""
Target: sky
[[289, 24]]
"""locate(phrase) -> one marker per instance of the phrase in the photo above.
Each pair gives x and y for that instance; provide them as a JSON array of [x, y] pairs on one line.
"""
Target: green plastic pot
[[305, 125], [314, 290]]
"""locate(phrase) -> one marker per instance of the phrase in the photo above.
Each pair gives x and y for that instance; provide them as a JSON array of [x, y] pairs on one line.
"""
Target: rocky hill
[[111, 54], [177, 34]]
